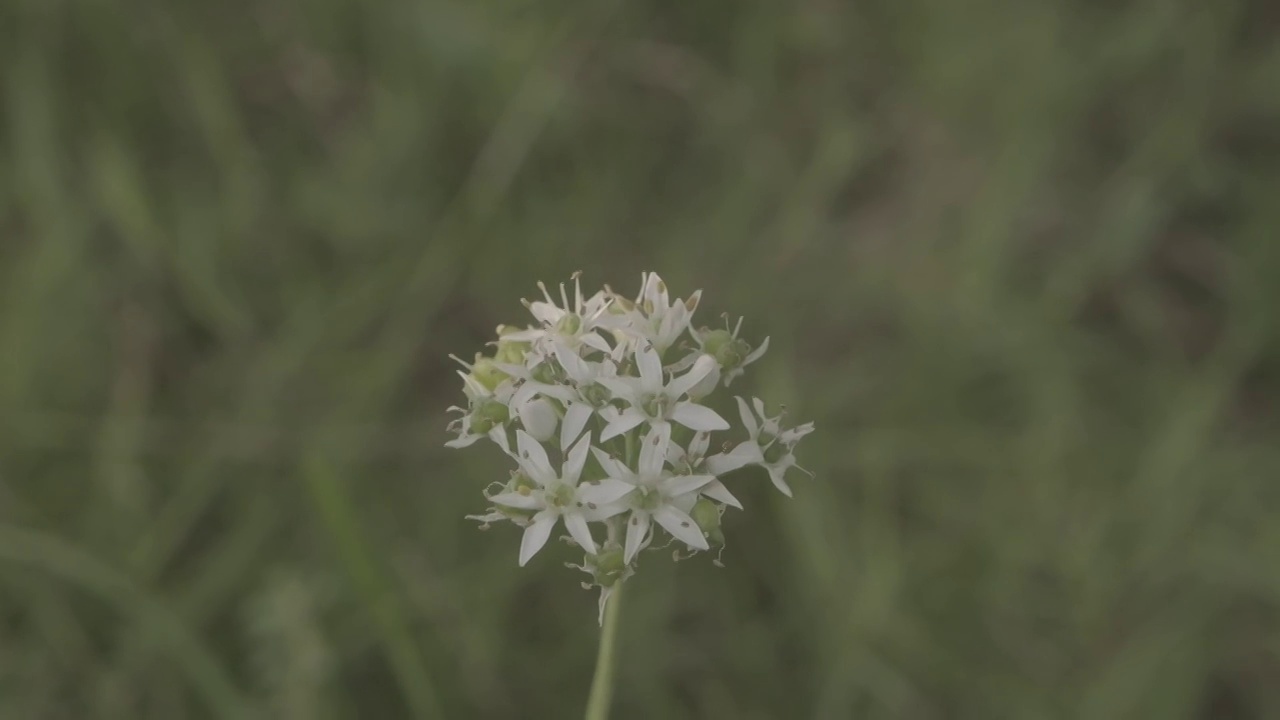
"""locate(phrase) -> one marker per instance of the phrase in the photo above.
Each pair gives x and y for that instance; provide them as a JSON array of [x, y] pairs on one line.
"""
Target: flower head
[[608, 379]]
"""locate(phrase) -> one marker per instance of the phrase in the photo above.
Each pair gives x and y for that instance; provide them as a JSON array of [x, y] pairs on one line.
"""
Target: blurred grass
[[1019, 262]]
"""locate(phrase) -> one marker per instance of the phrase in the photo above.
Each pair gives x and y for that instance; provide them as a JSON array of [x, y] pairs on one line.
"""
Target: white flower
[[770, 446], [648, 399], [573, 325], [558, 495], [583, 397], [658, 494], [655, 318], [691, 462], [589, 372]]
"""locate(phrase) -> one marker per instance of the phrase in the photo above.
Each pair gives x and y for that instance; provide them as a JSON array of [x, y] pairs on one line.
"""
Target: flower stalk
[[605, 405]]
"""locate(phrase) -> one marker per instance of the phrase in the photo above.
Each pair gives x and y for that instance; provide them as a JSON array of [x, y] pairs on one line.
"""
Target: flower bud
[[707, 515], [539, 419], [487, 374], [706, 385], [608, 567], [570, 324], [715, 340], [488, 414], [511, 352]]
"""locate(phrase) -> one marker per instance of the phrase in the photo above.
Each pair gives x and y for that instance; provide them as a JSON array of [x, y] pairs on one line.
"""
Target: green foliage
[[1019, 263]]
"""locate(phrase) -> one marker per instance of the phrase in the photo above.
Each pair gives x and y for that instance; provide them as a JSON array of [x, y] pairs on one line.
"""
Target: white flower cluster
[[606, 385]]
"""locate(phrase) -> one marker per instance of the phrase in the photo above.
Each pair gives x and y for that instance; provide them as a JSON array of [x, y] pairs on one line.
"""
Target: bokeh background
[[1020, 262]]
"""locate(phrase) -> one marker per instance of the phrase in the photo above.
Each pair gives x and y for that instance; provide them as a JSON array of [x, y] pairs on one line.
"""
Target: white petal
[[683, 363], [672, 325], [576, 458], [650, 369], [593, 340], [776, 475], [681, 526], [624, 388], [748, 418], [706, 385], [575, 418], [533, 459], [612, 467], [573, 365], [758, 404], [536, 534], [577, 526], [745, 453], [653, 451], [539, 419], [717, 491], [684, 484], [524, 335], [531, 388], [755, 354], [701, 368], [699, 444], [698, 417], [792, 436], [519, 500], [608, 490], [499, 436], [546, 312], [463, 441], [622, 423], [637, 530], [604, 512]]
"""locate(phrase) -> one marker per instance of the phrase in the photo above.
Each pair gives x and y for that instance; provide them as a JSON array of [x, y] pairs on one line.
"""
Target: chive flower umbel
[[603, 404]]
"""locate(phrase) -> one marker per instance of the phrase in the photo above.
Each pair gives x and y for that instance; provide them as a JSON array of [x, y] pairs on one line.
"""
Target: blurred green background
[[1019, 261]]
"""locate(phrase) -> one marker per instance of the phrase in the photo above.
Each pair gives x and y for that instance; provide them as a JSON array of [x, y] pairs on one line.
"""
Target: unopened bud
[[608, 567], [707, 514], [487, 374], [487, 415]]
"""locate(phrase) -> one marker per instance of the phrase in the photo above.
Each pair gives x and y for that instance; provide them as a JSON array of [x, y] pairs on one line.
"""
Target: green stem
[[602, 682]]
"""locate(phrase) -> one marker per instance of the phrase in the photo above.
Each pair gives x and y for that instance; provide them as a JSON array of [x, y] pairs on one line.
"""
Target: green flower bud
[[570, 324], [487, 415], [715, 340], [509, 351], [707, 514], [607, 567], [487, 374], [729, 351]]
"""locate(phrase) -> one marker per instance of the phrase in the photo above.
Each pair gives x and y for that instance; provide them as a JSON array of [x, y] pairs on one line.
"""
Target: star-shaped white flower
[[658, 494], [691, 462], [648, 399], [559, 496], [769, 446], [573, 324], [654, 318]]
